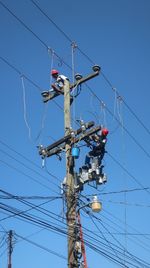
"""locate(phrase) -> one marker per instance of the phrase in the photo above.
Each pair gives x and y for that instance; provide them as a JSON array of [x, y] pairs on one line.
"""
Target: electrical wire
[[31, 169], [92, 62], [110, 114], [6, 193], [41, 246], [59, 230], [32, 32], [110, 221], [120, 192], [25, 108], [130, 135], [127, 172], [139, 145], [100, 221], [27, 159], [125, 129], [34, 220], [28, 176]]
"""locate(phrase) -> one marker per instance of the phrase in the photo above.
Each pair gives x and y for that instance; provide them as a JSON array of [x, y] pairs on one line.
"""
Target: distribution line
[[106, 79], [137, 241], [38, 208], [91, 61], [31, 217], [33, 197], [128, 204], [87, 242], [34, 220], [62, 108], [130, 135], [118, 163], [99, 229], [27, 203], [99, 100], [28, 176], [41, 246], [129, 226], [114, 223], [60, 30], [31, 169], [27, 159], [25, 26], [125, 129], [134, 240], [125, 103], [121, 191], [34, 34], [100, 220], [20, 73], [129, 174], [60, 231]]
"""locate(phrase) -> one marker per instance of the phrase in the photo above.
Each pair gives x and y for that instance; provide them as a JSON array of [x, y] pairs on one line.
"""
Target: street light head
[[96, 205]]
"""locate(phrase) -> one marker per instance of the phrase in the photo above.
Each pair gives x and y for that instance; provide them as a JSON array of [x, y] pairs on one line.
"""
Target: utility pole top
[[79, 81]]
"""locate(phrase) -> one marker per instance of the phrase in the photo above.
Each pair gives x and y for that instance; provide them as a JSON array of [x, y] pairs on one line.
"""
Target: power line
[[31, 169], [25, 158], [128, 204], [70, 68], [115, 118], [129, 226], [33, 33], [51, 198], [25, 26], [122, 191], [119, 164], [58, 28], [129, 254], [28, 176], [125, 103], [125, 129], [36, 221], [110, 221], [20, 212], [103, 225], [91, 61], [41, 246]]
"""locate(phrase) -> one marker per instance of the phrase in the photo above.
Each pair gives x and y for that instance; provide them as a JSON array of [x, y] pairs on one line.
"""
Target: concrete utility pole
[[10, 248], [70, 197]]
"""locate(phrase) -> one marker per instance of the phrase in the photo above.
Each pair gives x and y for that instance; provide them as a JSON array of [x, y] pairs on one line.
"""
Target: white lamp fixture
[[96, 205]]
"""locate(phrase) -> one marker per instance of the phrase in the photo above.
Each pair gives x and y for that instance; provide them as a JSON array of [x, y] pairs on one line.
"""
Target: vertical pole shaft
[[10, 234], [82, 242], [70, 197]]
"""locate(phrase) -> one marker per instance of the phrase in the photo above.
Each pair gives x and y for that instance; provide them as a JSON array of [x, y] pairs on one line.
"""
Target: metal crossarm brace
[[74, 141], [77, 83], [60, 143]]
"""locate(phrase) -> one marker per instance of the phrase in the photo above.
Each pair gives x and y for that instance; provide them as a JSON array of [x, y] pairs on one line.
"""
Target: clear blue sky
[[114, 34]]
